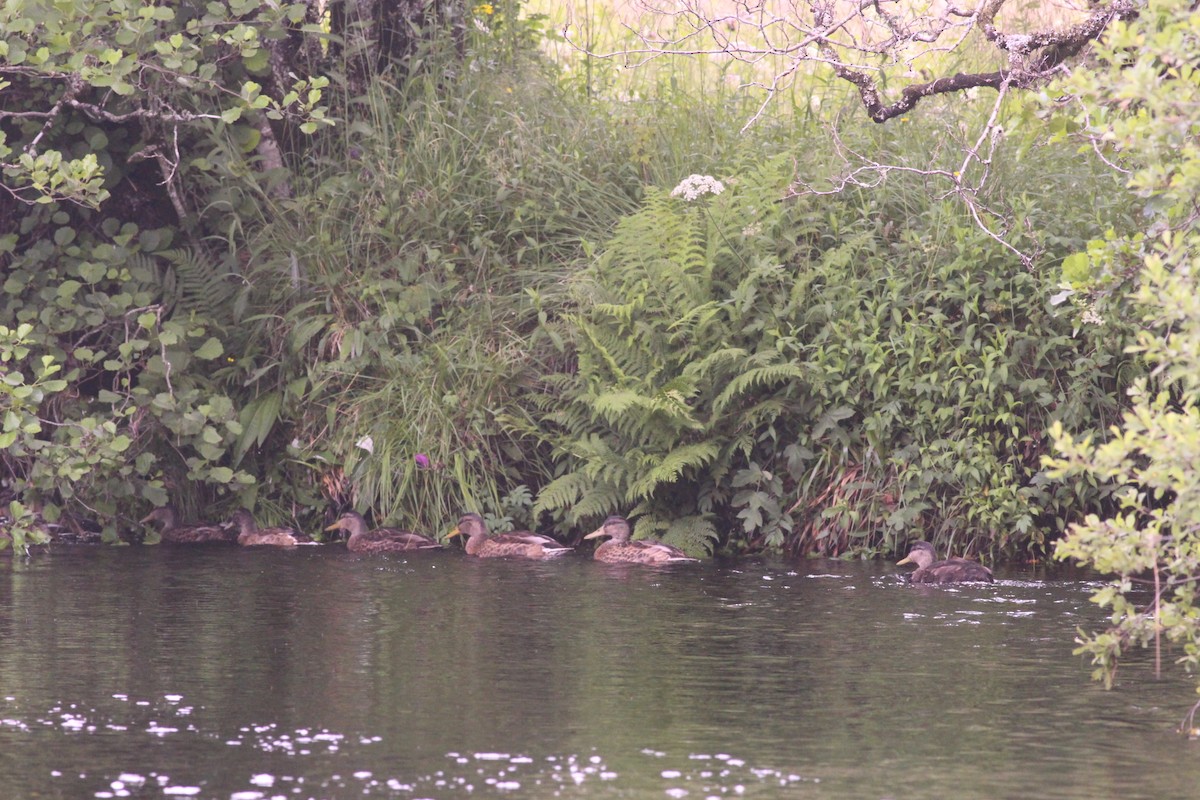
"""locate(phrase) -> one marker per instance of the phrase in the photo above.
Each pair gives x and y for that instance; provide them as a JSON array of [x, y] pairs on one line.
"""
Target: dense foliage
[[823, 374], [476, 291], [1139, 106]]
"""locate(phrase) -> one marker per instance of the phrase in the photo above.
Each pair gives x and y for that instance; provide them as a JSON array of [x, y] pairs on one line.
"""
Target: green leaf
[[68, 288], [212, 348], [1076, 269], [258, 420], [220, 475]]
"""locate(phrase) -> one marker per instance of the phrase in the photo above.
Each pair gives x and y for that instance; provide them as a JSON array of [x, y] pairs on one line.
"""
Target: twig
[[1188, 725]]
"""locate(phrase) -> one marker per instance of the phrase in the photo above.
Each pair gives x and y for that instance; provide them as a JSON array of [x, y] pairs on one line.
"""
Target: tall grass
[[415, 280]]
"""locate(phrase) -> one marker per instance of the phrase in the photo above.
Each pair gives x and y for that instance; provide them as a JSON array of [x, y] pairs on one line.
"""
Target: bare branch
[[870, 174], [891, 52], [864, 40]]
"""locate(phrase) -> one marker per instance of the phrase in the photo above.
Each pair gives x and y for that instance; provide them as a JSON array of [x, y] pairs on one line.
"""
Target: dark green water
[[244, 675]]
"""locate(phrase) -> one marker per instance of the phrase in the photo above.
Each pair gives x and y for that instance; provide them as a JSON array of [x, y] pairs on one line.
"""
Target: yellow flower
[[485, 8]]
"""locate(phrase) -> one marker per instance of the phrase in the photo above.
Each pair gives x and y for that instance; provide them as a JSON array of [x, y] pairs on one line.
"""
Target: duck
[[379, 540], [620, 550], [170, 529], [952, 570], [515, 544], [250, 535]]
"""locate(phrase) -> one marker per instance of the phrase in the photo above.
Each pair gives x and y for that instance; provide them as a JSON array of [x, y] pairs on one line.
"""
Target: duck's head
[[243, 520], [616, 528], [351, 522], [468, 525], [920, 553]]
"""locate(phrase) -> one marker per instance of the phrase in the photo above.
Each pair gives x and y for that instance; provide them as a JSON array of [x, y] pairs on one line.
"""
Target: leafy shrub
[[105, 404], [1137, 107], [804, 374]]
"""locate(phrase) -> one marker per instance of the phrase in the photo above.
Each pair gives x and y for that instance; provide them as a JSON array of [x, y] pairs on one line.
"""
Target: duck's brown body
[[250, 535], [379, 540], [951, 570], [620, 550], [516, 544], [194, 533]]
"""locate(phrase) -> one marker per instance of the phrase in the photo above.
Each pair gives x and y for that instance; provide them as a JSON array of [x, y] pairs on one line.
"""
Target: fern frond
[[622, 312], [600, 462], [756, 379], [612, 404], [599, 502], [706, 366], [562, 492], [620, 354], [765, 411], [628, 412], [693, 319], [194, 284], [694, 534], [671, 467]]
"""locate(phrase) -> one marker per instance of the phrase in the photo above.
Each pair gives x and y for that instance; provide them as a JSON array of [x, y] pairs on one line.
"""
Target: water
[[252, 674]]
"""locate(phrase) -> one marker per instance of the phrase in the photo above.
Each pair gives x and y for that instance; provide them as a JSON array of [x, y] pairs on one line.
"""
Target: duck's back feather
[[269, 537], [197, 534], [640, 552], [517, 544], [389, 540], [953, 570]]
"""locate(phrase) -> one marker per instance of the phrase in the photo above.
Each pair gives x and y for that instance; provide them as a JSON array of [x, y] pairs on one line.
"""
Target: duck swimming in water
[[170, 529], [952, 570], [250, 535], [620, 550], [379, 540], [516, 544]]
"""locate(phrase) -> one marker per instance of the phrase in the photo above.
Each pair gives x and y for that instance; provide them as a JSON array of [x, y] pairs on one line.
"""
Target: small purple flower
[[422, 460]]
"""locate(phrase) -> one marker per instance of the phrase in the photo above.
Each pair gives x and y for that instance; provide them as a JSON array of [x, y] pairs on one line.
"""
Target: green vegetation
[[464, 283], [825, 375], [1138, 104]]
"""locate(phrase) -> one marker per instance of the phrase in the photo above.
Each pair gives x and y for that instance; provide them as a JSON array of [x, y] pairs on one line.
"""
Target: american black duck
[[952, 570], [379, 540], [250, 535], [516, 544], [620, 550], [171, 530]]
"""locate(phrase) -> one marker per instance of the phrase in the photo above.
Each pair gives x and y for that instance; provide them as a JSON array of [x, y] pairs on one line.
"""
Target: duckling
[[952, 570], [516, 544], [170, 530], [620, 550], [250, 535], [379, 540]]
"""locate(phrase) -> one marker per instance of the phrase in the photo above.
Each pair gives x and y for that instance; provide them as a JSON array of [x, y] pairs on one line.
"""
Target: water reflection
[[225, 673]]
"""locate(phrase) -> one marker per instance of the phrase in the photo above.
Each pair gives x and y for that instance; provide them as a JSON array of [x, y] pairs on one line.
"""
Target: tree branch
[[852, 36]]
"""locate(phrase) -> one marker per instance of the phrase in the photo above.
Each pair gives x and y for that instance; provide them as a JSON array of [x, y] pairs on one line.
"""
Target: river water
[[250, 674]]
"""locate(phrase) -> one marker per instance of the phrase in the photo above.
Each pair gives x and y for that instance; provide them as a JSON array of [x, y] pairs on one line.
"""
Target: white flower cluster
[[693, 186]]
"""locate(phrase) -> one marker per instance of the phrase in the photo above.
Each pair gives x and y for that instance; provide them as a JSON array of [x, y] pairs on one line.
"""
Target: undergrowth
[[478, 294]]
